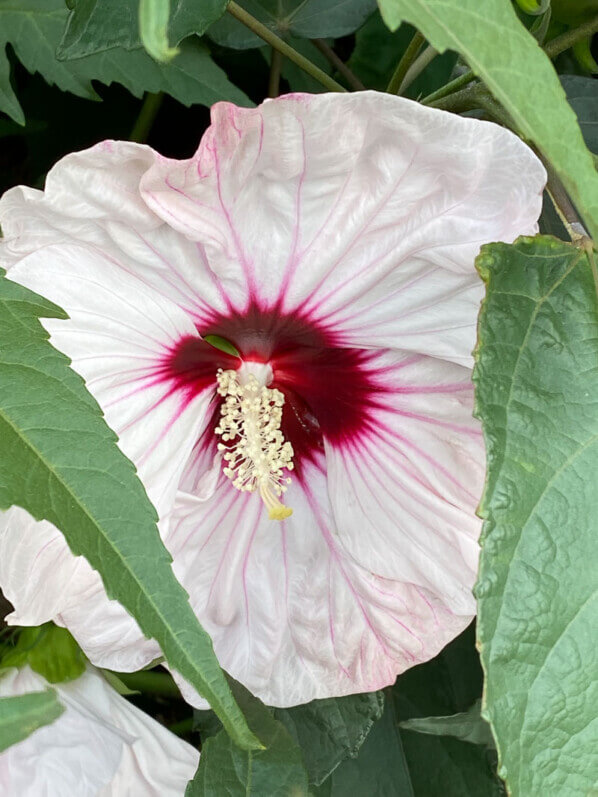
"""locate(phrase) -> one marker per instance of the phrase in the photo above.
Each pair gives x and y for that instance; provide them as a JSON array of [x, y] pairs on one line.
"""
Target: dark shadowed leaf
[[328, 731], [441, 766], [469, 726], [225, 769], [307, 19], [34, 28], [582, 93], [379, 769]]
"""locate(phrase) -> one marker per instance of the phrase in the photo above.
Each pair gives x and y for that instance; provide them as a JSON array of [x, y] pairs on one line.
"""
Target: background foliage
[[78, 72]]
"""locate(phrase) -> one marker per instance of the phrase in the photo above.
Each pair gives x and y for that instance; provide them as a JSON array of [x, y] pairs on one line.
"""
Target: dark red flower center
[[329, 390]]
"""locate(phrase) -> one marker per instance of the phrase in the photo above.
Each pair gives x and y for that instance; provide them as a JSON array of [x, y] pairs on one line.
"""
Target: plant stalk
[[235, 10], [275, 67], [564, 207], [156, 683], [417, 67], [147, 116], [566, 40], [340, 66], [407, 59], [449, 88]]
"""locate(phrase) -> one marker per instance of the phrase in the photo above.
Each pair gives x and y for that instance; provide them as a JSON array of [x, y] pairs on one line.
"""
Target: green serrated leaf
[[34, 28], [49, 424], [49, 650], [506, 56], [20, 716], [328, 731], [305, 19], [98, 25], [536, 378], [276, 771]]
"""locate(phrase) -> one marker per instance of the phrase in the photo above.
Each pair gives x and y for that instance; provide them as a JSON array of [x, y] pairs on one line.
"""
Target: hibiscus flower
[[317, 481], [100, 746]]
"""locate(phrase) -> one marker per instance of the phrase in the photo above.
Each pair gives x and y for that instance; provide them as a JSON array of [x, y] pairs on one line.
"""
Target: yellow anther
[[251, 414]]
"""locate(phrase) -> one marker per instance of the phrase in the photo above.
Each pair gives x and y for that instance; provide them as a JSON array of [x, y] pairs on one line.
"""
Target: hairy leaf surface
[[537, 396]]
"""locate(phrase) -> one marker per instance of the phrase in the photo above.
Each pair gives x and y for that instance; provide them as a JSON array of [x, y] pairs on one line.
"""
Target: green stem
[[156, 683], [147, 115], [407, 59], [235, 10], [458, 101], [570, 37], [449, 88], [275, 67], [340, 66], [564, 207], [417, 67]]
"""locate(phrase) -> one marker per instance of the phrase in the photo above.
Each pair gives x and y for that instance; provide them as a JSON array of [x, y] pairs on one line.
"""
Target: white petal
[[404, 495], [292, 616], [93, 197], [44, 581], [372, 230], [101, 746]]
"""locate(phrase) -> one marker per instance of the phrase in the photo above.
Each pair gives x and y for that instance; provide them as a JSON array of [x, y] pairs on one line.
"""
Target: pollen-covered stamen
[[253, 447]]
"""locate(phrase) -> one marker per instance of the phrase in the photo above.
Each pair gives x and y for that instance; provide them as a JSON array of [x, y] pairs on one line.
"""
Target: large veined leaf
[[276, 771], [34, 28], [536, 378], [97, 25], [307, 19], [20, 716], [60, 462], [505, 55]]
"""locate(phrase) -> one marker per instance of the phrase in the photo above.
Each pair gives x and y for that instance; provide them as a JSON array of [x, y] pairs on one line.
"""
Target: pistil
[[253, 446]]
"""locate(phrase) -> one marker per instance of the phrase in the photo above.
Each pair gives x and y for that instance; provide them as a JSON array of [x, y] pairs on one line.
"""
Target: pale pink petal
[[92, 197], [365, 210], [101, 746], [44, 581], [404, 493], [291, 614]]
